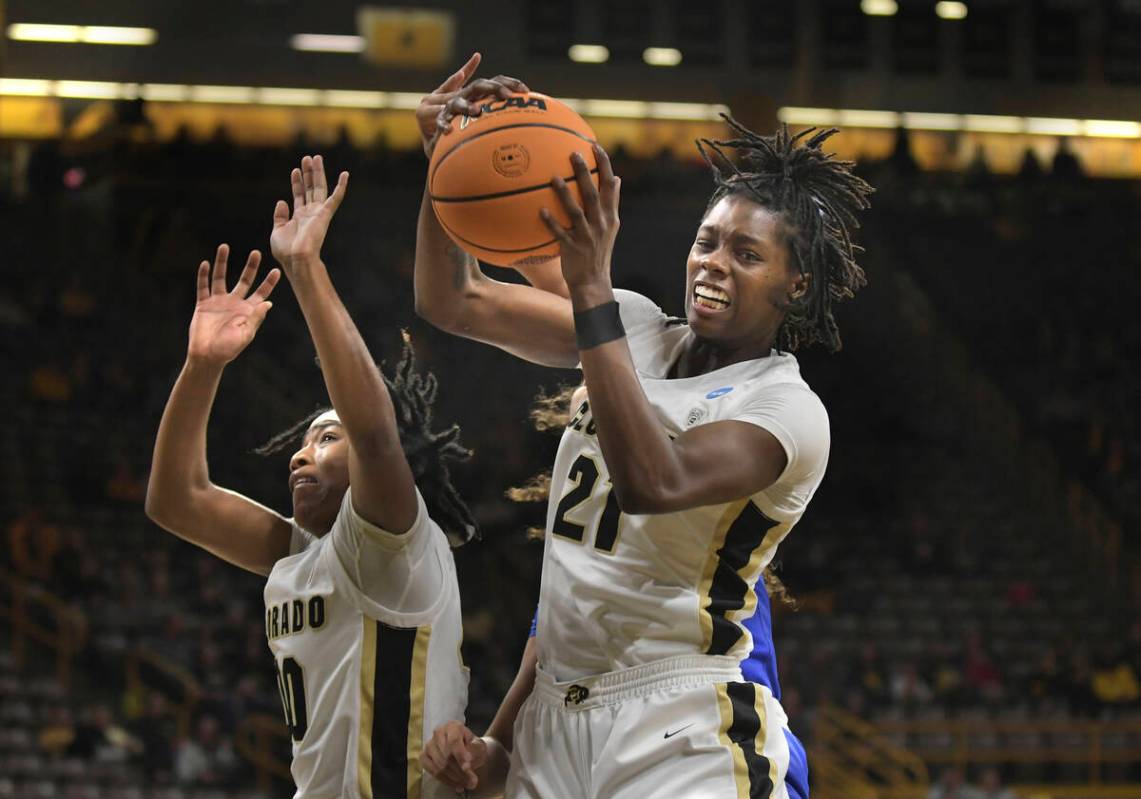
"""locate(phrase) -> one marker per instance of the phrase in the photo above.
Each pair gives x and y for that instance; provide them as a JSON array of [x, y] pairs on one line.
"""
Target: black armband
[[598, 325]]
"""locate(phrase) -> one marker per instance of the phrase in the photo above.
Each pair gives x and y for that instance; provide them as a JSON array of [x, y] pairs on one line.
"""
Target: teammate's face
[[739, 276], [319, 477]]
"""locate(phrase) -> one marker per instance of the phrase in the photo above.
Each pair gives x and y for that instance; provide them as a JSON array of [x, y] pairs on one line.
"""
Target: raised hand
[[586, 246], [297, 240], [225, 322], [452, 98], [453, 754]]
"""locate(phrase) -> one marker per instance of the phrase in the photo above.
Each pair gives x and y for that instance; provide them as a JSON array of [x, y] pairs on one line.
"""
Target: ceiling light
[[869, 119], [104, 34], [339, 98], [1113, 129], [879, 8], [332, 98], [589, 53], [661, 56], [792, 115], [86, 34], [625, 109], [925, 121], [990, 123], [20, 87], [222, 94], [96, 90], [275, 96], [946, 9], [327, 43], [1052, 126]]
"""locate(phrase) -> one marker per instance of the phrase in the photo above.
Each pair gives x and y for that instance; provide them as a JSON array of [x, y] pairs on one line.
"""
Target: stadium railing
[[854, 759], [262, 739], [147, 669], [36, 614]]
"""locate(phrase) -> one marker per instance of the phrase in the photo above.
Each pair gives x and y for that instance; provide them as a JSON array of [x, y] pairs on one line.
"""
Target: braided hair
[[428, 452], [817, 198]]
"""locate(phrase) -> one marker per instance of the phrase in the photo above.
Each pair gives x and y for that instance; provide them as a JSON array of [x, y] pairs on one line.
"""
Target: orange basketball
[[489, 177]]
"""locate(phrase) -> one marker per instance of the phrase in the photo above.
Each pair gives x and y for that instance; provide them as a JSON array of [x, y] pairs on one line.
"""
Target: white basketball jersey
[[365, 629], [622, 590]]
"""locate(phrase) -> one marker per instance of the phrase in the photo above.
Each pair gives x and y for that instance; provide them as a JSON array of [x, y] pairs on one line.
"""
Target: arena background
[[967, 575]]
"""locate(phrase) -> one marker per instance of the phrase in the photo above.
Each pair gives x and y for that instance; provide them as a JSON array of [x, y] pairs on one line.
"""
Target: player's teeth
[[710, 297]]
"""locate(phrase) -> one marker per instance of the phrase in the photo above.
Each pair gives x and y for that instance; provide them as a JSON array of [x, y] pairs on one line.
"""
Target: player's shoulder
[[780, 383], [638, 310]]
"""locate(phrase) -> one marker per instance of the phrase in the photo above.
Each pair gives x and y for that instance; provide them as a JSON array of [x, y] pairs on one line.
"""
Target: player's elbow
[[157, 508], [166, 507], [432, 310], [639, 499]]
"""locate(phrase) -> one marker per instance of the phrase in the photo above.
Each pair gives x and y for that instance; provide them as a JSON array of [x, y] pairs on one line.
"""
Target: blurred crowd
[[931, 583]]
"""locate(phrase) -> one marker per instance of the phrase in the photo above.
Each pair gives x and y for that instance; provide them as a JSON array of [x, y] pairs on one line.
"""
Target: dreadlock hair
[[817, 198], [552, 412], [428, 453]]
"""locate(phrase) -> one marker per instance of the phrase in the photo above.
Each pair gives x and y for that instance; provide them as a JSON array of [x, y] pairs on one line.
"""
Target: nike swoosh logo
[[675, 732]]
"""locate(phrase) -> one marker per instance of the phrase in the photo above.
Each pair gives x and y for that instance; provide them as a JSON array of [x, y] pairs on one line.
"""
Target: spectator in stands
[[908, 688], [156, 731], [990, 786], [1114, 681], [872, 675], [953, 785], [207, 759], [982, 675]]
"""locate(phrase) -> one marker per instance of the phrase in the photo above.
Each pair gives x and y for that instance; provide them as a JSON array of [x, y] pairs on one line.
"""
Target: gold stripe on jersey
[[730, 595], [367, 705], [753, 577], [416, 709], [732, 511]]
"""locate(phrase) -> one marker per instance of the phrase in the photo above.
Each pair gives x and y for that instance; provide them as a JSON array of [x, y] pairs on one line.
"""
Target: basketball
[[489, 177]]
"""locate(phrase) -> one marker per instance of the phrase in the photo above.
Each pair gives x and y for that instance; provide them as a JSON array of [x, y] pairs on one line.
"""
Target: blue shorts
[[796, 780]]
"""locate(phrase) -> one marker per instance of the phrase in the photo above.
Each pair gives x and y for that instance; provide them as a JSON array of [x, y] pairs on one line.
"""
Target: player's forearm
[[352, 378], [444, 276], [492, 773], [178, 466], [503, 725], [640, 457]]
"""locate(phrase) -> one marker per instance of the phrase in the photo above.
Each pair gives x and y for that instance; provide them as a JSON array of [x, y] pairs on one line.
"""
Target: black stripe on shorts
[[743, 732]]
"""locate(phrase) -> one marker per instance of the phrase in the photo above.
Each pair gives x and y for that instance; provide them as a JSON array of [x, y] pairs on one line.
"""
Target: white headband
[[328, 417]]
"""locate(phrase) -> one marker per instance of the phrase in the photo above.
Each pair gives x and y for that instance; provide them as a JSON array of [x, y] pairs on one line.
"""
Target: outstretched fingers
[[218, 285], [320, 185], [203, 281], [338, 195], [609, 185], [249, 271], [298, 188], [280, 213], [586, 188], [460, 76], [309, 178], [266, 287]]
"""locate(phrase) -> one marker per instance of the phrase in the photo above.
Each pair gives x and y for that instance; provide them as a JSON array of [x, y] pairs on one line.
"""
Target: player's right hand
[[225, 322], [453, 756], [452, 98]]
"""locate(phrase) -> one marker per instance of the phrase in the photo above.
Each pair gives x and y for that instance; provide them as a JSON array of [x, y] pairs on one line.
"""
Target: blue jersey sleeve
[[534, 624]]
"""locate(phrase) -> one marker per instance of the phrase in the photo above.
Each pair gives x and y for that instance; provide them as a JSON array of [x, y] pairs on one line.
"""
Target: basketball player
[[697, 450], [362, 605]]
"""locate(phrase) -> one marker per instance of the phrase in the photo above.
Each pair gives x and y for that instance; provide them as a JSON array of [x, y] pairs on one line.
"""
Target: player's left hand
[[297, 240], [586, 246], [453, 755]]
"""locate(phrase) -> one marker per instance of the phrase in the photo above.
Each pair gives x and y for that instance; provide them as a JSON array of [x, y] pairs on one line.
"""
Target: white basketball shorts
[[684, 728]]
